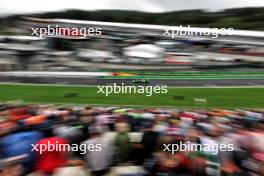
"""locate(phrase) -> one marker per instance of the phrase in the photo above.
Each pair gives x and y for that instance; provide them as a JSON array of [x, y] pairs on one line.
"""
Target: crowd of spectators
[[129, 141]]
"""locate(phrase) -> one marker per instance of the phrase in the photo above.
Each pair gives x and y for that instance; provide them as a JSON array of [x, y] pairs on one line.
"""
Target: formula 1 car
[[138, 81]]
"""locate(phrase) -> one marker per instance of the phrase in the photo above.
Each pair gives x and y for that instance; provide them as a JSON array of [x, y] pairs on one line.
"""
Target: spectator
[[99, 151], [122, 143], [49, 160]]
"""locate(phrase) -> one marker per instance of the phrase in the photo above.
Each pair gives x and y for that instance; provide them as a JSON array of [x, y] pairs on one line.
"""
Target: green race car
[[145, 81]]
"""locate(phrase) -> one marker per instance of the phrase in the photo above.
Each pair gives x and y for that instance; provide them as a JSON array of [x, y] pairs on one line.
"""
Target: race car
[[145, 81]]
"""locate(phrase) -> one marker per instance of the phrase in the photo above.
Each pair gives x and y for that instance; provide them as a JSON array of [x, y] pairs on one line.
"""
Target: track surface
[[97, 81]]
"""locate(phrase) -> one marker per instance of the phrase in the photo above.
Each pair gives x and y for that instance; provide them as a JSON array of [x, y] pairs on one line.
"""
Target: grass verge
[[176, 97]]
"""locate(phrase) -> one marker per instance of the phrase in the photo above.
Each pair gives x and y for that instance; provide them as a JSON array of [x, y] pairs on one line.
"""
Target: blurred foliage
[[239, 18], [242, 18]]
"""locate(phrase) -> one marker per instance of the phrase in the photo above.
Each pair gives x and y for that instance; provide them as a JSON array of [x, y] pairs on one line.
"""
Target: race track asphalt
[[98, 81]]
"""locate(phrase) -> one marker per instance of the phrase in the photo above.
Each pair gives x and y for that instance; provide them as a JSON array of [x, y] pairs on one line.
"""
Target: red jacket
[[49, 160]]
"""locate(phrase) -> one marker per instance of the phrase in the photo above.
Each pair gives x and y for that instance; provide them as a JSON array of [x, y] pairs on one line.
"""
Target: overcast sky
[[28, 6]]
